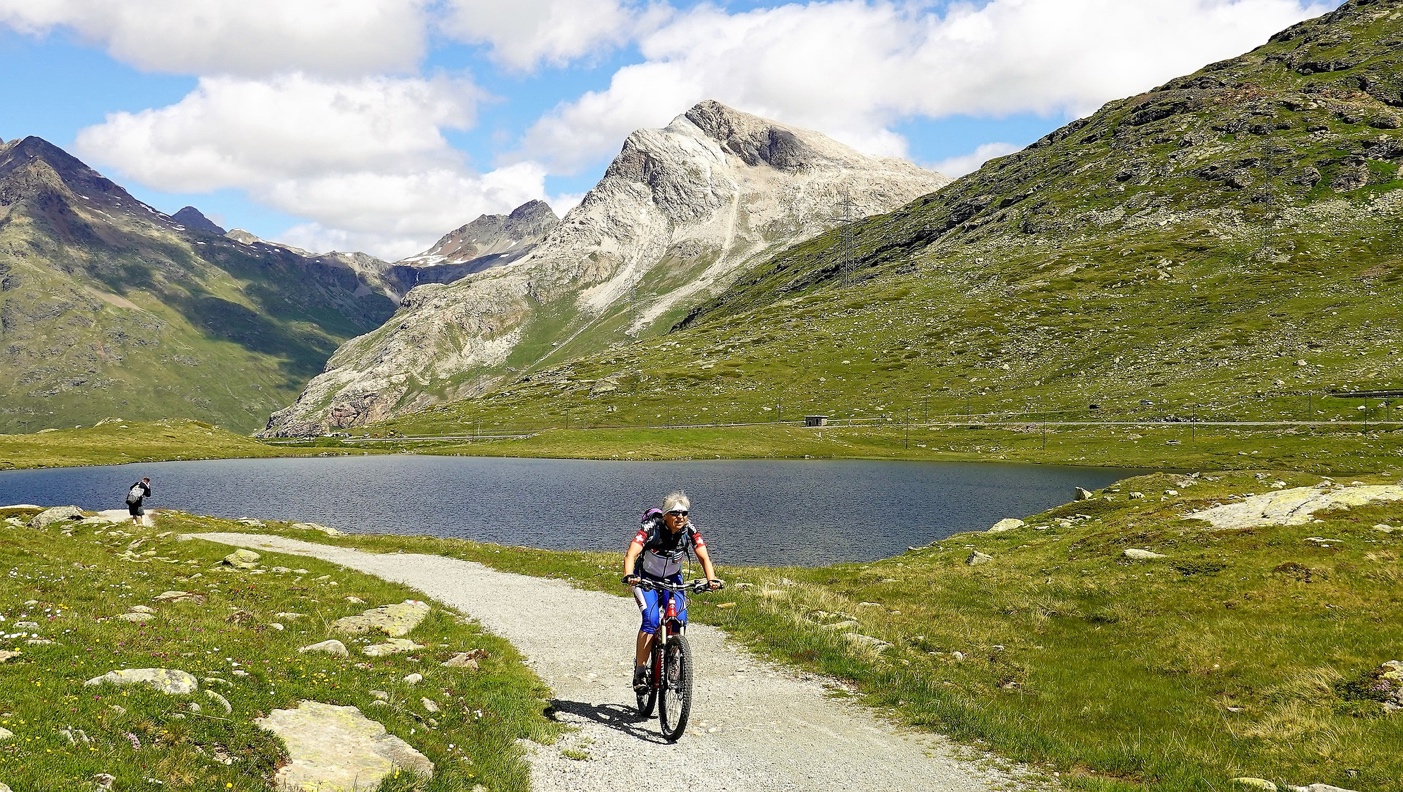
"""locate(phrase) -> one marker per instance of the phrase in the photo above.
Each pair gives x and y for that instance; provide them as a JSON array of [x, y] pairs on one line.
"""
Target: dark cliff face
[[749, 138]]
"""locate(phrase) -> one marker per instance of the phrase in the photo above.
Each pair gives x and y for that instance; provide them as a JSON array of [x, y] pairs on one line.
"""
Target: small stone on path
[[338, 748], [332, 646], [165, 680]]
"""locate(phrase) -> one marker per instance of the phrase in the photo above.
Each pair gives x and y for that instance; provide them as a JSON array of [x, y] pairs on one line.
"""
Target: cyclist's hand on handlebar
[[631, 580], [716, 584]]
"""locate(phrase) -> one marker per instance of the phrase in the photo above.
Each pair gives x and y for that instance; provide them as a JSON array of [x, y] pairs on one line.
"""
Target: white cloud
[[247, 37], [363, 157], [955, 167], [523, 33], [852, 69]]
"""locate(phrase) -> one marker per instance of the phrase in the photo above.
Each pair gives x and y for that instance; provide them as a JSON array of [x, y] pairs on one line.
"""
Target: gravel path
[[754, 725]]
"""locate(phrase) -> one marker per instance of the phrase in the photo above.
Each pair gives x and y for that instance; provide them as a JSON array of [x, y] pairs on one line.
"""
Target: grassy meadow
[[117, 442], [67, 585]]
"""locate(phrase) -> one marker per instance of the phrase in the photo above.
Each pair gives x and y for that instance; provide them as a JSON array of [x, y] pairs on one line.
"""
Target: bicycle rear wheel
[[675, 695], [649, 698]]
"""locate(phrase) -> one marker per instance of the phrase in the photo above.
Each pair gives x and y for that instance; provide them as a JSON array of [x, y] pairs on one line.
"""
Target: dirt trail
[[754, 726]]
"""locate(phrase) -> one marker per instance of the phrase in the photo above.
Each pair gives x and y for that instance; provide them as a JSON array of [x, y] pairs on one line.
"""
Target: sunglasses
[[678, 512]]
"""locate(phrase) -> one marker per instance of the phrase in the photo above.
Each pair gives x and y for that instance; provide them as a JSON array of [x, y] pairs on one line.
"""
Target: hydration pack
[[135, 494]]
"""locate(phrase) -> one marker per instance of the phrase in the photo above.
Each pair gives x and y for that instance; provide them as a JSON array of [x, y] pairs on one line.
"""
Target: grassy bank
[[116, 442], [1321, 449], [60, 602], [1238, 653]]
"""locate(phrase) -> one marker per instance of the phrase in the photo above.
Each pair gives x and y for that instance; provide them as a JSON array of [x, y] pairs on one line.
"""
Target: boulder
[[393, 620], [165, 680], [178, 596], [1140, 555], [135, 617], [242, 559], [465, 659], [6, 734], [976, 558], [413, 679], [6, 654], [332, 646], [326, 529], [1006, 524], [221, 701], [1083, 494], [48, 517], [1255, 783], [390, 647], [338, 748], [1319, 788]]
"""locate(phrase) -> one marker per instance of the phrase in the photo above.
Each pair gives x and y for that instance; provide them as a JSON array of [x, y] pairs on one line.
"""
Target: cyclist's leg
[[648, 607]]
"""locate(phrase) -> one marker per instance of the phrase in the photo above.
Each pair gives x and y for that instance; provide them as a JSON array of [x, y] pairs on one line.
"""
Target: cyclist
[[656, 552]]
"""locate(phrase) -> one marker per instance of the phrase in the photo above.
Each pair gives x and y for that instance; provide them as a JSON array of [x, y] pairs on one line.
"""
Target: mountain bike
[[669, 674]]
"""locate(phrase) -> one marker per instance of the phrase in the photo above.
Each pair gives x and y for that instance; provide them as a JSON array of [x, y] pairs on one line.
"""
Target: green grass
[[117, 442], [1232, 656], [74, 584]]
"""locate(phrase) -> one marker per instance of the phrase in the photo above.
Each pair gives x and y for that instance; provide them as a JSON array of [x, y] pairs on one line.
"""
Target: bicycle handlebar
[[699, 585]]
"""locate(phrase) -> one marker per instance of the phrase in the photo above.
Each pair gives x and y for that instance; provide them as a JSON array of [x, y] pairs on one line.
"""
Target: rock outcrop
[[680, 211], [1296, 506], [339, 748]]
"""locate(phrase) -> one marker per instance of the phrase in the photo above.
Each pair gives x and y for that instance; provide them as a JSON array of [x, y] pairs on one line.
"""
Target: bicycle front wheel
[[675, 693]]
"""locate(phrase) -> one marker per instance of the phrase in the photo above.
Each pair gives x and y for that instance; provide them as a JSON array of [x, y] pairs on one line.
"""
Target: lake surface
[[804, 513]]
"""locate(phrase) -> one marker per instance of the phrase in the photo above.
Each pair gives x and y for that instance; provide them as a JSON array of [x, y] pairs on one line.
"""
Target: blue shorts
[[650, 604]]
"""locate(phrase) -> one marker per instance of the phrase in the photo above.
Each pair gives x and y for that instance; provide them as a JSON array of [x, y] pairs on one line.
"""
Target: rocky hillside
[[111, 308], [488, 241], [1229, 240], [679, 213]]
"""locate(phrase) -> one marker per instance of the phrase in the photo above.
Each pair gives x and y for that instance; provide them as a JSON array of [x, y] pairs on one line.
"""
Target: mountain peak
[[760, 141], [195, 220]]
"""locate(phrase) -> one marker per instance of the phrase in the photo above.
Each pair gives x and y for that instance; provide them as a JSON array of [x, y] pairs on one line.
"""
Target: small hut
[[815, 420]]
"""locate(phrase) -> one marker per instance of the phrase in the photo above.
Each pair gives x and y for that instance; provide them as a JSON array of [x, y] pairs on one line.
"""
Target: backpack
[[662, 565], [135, 494]]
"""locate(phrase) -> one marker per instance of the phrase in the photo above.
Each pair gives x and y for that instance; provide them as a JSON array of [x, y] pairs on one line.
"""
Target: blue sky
[[378, 125]]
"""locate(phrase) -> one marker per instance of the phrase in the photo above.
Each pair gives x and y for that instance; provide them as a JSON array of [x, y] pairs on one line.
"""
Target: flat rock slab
[[393, 620], [165, 680], [391, 647], [48, 517], [332, 646], [755, 727], [1295, 506], [338, 749]]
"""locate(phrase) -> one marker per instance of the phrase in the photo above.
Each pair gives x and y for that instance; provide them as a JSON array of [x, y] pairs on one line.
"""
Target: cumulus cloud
[[853, 68], [244, 37], [364, 156], [524, 33], [957, 166]]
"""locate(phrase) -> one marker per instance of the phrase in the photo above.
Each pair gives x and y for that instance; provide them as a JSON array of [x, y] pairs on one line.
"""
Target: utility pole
[[846, 240]]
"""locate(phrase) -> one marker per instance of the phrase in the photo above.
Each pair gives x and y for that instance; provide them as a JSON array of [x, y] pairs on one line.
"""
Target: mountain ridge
[[110, 307]]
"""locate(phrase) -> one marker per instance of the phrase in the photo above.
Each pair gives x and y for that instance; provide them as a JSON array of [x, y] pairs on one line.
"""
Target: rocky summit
[[678, 214], [110, 307], [488, 241]]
